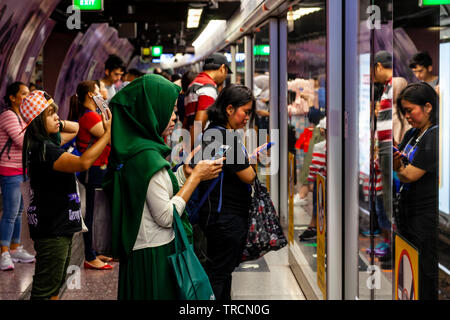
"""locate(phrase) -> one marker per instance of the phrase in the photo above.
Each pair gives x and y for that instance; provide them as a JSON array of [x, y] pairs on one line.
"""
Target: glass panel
[[306, 141], [261, 54], [375, 150], [240, 62], [421, 54]]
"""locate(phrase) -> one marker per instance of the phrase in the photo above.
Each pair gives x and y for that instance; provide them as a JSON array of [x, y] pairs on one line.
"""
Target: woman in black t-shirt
[[54, 212], [225, 220], [416, 165]]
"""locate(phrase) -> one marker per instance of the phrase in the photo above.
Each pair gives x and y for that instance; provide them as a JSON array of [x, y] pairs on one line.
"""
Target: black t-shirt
[[420, 197], [236, 195], [55, 205]]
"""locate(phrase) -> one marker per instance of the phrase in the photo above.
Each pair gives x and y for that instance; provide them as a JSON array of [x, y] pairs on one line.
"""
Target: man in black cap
[[202, 92]]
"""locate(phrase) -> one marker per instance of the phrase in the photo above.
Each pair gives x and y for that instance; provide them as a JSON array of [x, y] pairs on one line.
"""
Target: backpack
[[196, 202]]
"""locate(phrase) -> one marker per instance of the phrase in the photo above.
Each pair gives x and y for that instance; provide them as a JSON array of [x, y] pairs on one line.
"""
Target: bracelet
[[64, 124]]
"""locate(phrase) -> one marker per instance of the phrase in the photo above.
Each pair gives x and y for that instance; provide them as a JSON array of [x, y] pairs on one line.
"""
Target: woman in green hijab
[[144, 190]]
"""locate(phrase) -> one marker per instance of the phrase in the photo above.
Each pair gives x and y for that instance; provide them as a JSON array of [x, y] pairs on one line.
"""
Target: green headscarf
[[141, 111]]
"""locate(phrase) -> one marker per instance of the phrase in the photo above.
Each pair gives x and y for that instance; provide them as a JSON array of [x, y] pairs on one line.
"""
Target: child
[[54, 213]]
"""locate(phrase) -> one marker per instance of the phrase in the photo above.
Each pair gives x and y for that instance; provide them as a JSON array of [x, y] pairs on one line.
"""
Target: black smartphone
[[219, 154]]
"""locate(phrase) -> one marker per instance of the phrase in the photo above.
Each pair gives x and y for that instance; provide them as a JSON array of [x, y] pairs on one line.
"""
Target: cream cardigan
[[157, 217]]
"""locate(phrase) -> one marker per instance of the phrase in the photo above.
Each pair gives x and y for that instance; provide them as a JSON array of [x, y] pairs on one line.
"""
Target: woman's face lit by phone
[[417, 116], [238, 117]]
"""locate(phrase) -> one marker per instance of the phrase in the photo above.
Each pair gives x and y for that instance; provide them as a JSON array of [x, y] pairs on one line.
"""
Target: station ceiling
[[158, 22]]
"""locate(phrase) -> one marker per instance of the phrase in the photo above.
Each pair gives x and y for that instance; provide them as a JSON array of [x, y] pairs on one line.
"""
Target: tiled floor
[[277, 284], [93, 285], [15, 283], [274, 282]]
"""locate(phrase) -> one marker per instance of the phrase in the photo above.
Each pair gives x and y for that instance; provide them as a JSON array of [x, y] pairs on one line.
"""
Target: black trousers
[[94, 180], [422, 232], [226, 236]]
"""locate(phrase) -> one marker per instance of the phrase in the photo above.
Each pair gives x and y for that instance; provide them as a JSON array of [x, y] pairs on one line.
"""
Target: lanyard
[[409, 149]]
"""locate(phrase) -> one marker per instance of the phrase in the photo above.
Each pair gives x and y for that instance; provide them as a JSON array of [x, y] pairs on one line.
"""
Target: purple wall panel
[[14, 16], [34, 27], [34, 48], [85, 60]]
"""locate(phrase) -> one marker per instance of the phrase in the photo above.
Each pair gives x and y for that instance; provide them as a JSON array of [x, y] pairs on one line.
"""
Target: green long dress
[[141, 112]]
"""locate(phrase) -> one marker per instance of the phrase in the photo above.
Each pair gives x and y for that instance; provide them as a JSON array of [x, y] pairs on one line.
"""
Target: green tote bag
[[192, 280]]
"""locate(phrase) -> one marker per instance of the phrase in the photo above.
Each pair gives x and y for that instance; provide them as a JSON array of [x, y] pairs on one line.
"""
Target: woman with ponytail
[[11, 176], [84, 110]]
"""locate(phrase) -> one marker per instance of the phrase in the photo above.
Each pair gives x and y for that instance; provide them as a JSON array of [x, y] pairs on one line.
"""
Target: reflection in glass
[[307, 132]]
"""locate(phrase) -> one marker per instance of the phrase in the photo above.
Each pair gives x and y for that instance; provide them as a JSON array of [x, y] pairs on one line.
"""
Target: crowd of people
[[405, 183], [122, 150], [128, 158]]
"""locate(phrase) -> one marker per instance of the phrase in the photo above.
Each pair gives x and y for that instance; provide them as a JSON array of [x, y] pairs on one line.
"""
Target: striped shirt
[[201, 93], [10, 126], [319, 161], [365, 181], [384, 120]]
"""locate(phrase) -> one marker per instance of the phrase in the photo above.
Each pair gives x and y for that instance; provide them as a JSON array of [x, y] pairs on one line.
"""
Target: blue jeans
[[11, 222], [94, 180]]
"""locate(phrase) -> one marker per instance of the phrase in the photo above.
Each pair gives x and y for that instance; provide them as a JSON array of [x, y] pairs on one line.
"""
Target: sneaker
[[376, 233], [21, 255], [381, 247], [299, 201], [308, 234], [383, 250], [6, 262]]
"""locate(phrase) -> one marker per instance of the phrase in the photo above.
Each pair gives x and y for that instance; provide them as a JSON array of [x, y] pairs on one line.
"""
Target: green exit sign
[[433, 2], [157, 51], [261, 50], [89, 5]]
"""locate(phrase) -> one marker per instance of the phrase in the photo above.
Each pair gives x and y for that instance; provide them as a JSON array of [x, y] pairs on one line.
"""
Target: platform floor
[[268, 278]]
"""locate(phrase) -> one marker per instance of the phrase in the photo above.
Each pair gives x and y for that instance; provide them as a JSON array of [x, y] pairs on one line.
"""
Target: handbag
[[102, 224], [191, 279], [264, 229]]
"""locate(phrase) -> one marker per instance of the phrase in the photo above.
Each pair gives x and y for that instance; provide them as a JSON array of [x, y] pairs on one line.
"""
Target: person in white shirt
[[144, 190], [114, 70]]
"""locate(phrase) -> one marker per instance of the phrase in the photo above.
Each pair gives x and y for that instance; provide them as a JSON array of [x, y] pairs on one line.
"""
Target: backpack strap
[[7, 146], [9, 142]]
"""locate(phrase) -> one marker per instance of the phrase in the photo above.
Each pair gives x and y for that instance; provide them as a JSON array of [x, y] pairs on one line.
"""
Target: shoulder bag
[[191, 279]]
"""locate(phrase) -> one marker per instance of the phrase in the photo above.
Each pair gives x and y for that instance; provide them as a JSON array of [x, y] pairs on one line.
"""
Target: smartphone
[[222, 150], [102, 105], [394, 149], [220, 153], [266, 147]]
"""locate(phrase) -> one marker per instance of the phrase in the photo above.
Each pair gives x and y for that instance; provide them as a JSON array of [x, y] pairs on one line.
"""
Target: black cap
[[383, 57], [214, 61]]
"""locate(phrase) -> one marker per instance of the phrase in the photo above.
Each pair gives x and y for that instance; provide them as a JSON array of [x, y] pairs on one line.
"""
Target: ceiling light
[[297, 14], [193, 18], [212, 27]]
